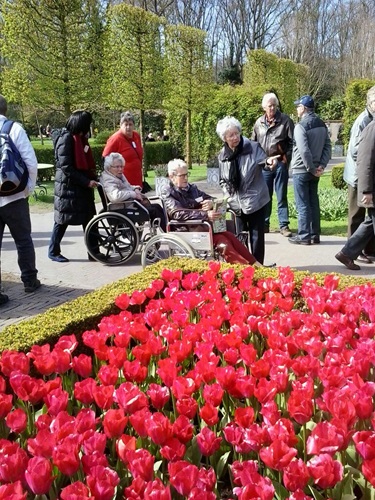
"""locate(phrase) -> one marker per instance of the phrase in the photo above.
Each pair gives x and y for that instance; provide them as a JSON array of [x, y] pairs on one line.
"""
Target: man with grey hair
[[14, 209], [274, 132], [357, 214], [127, 142]]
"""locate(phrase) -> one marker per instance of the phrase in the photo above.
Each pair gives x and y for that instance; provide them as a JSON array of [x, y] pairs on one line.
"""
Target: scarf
[[234, 168], [84, 158]]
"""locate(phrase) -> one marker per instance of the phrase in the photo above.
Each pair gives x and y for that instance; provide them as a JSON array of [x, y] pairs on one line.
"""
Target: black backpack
[[13, 170]]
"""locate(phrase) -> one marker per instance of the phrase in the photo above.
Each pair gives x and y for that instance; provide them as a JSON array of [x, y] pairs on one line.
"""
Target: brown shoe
[[349, 263], [285, 231]]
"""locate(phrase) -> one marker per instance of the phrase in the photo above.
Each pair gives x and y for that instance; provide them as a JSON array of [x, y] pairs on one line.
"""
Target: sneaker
[[295, 240], [3, 299], [285, 231], [58, 258], [31, 286]]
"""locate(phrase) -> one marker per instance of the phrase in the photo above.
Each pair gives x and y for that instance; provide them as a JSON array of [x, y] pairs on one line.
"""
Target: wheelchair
[[123, 228]]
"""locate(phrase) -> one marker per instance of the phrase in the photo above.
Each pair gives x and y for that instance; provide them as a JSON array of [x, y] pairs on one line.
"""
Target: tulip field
[[204, 386]]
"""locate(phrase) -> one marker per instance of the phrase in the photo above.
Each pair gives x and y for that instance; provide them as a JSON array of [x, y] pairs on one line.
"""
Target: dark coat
[[185, 204], [366, 163], [74, 200]]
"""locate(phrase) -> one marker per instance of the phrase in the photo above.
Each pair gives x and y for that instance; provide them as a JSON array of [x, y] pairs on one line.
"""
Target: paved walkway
[[64, 282]]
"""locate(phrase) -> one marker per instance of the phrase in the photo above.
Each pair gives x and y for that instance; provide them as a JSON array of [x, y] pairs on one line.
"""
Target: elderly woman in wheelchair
[[185, 203]]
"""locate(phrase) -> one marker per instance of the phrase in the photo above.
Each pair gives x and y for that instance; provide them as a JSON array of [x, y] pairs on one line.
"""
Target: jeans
[[307, 202], [16, 216], [254, 224], [57, 235], [358, 240], [278, 178]]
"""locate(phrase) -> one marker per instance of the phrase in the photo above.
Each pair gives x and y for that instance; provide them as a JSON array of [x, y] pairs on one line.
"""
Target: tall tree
[[188, 74], [134, 64], [53, 47]]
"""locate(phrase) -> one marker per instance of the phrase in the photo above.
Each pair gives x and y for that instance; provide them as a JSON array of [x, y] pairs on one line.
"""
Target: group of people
[[250, 171]]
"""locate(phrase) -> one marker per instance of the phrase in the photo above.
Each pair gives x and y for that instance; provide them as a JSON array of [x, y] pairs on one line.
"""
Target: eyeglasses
[[116, 166], [182, 175]]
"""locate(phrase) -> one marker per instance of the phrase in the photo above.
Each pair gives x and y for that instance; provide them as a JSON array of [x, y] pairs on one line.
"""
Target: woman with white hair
[[241, 162], [118, 189]]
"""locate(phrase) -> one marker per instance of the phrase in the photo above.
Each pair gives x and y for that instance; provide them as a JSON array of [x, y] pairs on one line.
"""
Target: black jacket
[[74, 200], [184, 205]]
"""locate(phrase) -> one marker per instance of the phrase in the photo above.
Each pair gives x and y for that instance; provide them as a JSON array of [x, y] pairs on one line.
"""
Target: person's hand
[[367, 199], [207, 205], [319, 171], [272, 161], [212, 215], [138, 195], [93, 184]]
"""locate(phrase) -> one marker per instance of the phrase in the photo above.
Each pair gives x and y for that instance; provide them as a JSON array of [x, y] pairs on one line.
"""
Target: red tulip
[[244, 417], [209, 414], [82, 365], [136, 490], [183, 429], [114, 423], [11, 361], [299, 495], [134, 371], [12, 491], [296, 475], [130, 398], [325, 471], [368, 470], [93, 460], [38, 475], [173, 450], [93, 442], [123, 445], [208, 442], [183, 476], [155, 490], [167, 371], [27, 388], [213, 394], [62, 360], [108, 374], [139, 420], [84, 391], [102, 482], [325, 438], [158, 395], [159, 428], [85, 420], [75, 491], [42, 445], [56, 401], [65, 456], [6, 403], [104, 396], [278, 455], [141, 464]]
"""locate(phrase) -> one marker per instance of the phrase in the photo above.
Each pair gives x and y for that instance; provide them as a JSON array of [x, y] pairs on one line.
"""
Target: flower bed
[[202, 387]]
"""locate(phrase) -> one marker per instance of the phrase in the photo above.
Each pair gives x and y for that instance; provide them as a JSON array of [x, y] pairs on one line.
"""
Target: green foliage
[[333, 205], [159, 152], [337, 177], [46, 155], [53, 53], [282, 76], [103, 136], [332, 109], [134, 77], [355, 103]]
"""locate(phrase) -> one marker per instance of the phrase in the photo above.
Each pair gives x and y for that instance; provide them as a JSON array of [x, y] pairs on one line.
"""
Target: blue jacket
[[312, 146]]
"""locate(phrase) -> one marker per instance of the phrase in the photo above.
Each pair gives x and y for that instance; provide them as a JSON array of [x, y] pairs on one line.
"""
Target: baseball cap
[[305, 100]]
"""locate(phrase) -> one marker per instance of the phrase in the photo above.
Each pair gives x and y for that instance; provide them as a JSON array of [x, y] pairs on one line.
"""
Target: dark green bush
[[157, 153], [337, 177], [333, 204], [103, 136]]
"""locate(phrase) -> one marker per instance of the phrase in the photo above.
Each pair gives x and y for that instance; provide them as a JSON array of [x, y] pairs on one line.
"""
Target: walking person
[[14, 209], [241, 162], [357, 214], [366, 192], [311, 153], [75, 180], [274, 132]]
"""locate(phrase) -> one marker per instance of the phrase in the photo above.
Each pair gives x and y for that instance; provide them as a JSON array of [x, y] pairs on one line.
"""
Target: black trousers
[[254, 225]]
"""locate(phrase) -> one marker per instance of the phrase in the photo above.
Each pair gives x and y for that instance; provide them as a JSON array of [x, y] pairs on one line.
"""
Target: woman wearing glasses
[[117, 187], [185, 202]]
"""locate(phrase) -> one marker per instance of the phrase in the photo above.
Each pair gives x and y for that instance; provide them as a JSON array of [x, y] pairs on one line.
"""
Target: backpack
[[13, 170]]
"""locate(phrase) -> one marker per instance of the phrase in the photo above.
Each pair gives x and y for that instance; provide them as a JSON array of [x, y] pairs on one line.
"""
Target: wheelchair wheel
[[162, 246], [111, 238]]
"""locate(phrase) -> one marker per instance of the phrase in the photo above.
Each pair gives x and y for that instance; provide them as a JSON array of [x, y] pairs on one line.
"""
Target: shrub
[[103, 136], [157, 153], [337, 177]]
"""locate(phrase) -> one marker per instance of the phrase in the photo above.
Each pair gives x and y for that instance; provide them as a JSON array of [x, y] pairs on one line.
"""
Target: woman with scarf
[[241, 162], [75, 179]]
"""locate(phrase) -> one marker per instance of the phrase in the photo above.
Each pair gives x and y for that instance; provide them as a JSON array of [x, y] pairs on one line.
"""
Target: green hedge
[[46, 154], [84, 313], [337, 177], [156, 153]]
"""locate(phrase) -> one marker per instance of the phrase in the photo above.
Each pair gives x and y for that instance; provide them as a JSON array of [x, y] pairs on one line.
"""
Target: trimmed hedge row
[[337, 177], [84, 313]]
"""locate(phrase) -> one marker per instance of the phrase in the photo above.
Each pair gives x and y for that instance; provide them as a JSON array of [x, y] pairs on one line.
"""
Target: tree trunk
[[188, 138]]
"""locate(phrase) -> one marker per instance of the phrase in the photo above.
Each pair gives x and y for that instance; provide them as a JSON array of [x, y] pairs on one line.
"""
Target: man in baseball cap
[[311, 153], [305, 100]]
